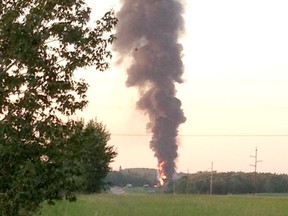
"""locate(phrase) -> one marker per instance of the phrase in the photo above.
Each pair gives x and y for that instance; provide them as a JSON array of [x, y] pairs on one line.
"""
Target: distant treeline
[[136, 177], [199, 183], [232, 183]]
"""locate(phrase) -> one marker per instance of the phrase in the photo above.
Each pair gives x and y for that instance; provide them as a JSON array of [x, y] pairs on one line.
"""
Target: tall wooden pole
[[211, 179], [255, 170]]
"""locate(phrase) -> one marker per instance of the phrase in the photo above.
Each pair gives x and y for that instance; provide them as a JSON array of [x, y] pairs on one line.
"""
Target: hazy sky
[[235, 95]]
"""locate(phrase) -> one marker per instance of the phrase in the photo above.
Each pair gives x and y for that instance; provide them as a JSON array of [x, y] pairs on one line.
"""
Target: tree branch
[[9, 66]]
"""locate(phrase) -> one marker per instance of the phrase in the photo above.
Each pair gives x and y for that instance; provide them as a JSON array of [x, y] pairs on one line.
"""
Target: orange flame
[[162, 176]]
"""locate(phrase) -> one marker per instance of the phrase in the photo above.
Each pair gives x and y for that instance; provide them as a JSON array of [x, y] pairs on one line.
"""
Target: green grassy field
[[168, 205]]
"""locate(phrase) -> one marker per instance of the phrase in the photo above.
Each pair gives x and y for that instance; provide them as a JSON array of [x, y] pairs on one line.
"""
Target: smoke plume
[[148, 33]]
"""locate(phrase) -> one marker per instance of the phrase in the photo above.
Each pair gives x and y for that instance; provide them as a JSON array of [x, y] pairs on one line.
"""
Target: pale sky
[[236, 83]]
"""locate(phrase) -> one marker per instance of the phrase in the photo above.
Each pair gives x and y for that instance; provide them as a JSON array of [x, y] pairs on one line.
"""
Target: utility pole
[[187, 181], [255, 172], [211, 179], [174, 183]]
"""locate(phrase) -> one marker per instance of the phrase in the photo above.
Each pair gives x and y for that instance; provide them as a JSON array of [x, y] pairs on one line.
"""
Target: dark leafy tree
[[42, 42], [97, 155]]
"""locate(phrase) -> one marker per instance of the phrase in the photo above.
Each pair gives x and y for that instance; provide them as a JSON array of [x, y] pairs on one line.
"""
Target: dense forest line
[[200, 182]]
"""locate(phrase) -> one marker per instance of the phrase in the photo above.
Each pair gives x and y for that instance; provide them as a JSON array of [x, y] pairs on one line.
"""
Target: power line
[[207, 135]]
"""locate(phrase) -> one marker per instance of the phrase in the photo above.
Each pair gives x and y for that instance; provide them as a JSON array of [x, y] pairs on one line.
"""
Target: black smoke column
[[148, 31]]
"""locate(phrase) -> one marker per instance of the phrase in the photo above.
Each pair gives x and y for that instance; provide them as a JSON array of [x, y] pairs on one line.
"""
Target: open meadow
[[168, 205]]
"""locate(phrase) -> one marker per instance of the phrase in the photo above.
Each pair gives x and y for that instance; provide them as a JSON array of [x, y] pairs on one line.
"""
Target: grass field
[[168, 205]]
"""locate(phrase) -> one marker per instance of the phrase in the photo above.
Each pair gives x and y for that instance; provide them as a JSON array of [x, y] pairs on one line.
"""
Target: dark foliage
[[41, 44], [232, 183], [135, 177], [199, 183], [97, 155]]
